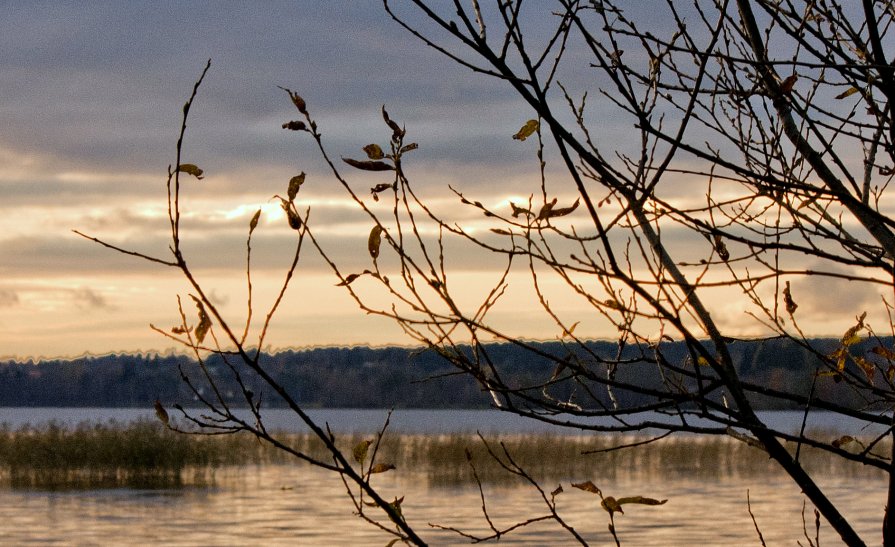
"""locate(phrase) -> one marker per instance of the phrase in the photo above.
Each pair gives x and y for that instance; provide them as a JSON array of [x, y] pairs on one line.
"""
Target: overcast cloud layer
[[90, 107]]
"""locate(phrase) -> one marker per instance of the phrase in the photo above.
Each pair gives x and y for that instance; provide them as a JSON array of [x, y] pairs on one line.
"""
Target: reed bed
[[144, 454]]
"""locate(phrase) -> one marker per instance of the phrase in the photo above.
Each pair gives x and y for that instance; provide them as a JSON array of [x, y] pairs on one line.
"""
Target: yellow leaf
[[851, 337], [884, 352], [866, 366], [360, 451], [527, 130], [848, 93], [571, 330], [374, 152], [382, 468], [840, 356], [190, 169]]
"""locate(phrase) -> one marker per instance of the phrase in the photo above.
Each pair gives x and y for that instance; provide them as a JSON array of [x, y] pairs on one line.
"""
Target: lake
[[301, 505], [424, 421]]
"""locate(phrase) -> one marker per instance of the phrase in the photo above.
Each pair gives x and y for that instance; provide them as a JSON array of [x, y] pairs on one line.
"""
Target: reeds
[[144, 454]]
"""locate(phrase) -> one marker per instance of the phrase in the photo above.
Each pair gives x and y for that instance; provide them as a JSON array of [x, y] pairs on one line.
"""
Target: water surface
[[299, 505]]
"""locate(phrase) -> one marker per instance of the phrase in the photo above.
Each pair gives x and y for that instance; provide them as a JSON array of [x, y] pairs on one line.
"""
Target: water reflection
[[289, 505]]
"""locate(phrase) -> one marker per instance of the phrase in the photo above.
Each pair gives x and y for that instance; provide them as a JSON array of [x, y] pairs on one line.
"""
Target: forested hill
[[362, 377]]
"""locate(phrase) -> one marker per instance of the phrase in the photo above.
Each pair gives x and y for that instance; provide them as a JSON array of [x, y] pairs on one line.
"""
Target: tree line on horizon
[[374, 377]]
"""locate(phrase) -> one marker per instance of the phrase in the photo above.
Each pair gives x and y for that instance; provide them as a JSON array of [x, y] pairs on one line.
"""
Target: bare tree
[[759, 140], [776, 116]]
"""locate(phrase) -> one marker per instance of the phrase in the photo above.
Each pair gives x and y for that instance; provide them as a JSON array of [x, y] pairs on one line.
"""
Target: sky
[[90, 112], [90, 109]]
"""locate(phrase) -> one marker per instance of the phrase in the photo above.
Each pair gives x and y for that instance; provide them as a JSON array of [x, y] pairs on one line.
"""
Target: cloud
[[8, 298], [834, 298], [87, 298]]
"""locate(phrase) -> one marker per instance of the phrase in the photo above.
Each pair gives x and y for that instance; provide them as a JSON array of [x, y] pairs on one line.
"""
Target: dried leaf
[[557, 370], [204, 321], [161, 413], [519, 210], [866, 366], [254, 222], [381, 188], [587, 487], [840, 356], [360, 451], [641, 500], [396, 505], [611, 505], [397, 132], [291, 214], [883, 352], [612, 304], [382, 468], [851, 336], [787, 84], [848, 93], [545, 209], [348, 280], [842, 441], [720, 247], [294, 184], [787, 299], [374, 241], [369, 165], [296, 100], [295, 125], [374, 152], [558, 490], [616, 57], [561, 212], [190, 169], [409, 147], [527, 130]]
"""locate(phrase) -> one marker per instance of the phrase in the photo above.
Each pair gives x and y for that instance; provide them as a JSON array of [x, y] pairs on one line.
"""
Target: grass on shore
[[144, 454]]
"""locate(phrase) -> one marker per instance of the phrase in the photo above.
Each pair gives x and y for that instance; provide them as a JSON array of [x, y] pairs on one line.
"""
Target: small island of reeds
[[144, 454]]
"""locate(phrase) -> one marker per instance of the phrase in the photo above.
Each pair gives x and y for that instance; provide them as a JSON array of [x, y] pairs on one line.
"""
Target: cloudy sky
[[90, 106], [91, 97]]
